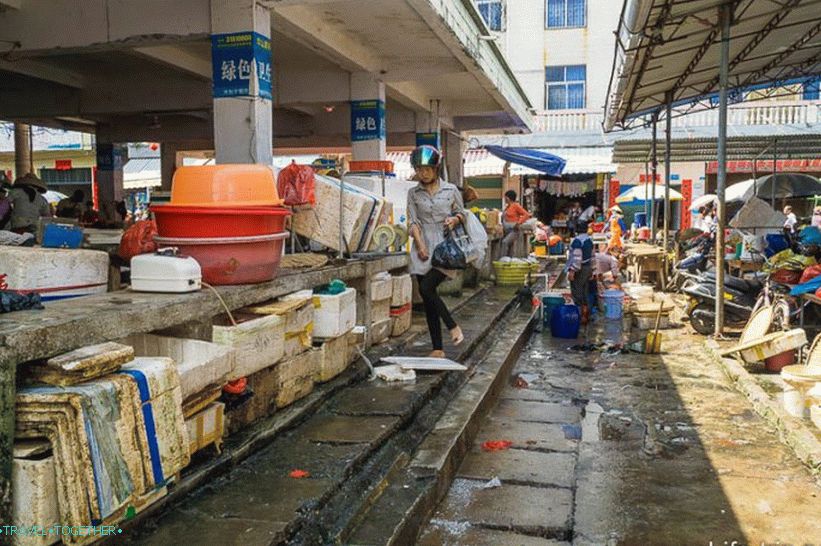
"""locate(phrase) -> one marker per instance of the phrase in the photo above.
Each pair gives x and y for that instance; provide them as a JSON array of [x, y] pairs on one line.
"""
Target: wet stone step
[[345, 429], [539, 511], [526, 435], [542, 412], [380, 398], [463, 534], [520, 466]]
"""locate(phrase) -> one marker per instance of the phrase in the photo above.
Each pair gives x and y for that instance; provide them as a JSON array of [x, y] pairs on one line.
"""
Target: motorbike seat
[[736, 283]]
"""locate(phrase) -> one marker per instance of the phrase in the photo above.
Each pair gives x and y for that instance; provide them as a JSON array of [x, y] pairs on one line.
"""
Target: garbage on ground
[[496, 445], [298, 474], [492, 484], [393, 373]]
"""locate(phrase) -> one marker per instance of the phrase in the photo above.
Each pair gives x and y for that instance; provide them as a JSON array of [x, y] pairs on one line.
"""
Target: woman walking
[[433, 207]]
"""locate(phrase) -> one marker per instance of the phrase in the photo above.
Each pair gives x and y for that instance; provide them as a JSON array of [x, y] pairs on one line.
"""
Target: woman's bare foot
[[457, 336], [437, 354]]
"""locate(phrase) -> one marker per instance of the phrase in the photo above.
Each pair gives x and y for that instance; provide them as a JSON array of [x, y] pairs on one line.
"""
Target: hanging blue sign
[[367, 120], [237, 59], [430, 139], [110, 157]]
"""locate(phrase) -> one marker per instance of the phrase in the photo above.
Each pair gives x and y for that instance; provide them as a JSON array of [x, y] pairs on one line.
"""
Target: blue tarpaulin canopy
[[535, 159]]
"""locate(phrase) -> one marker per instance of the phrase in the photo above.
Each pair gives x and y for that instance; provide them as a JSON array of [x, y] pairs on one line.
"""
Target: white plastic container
[[402, 290], [381, 287], [34, 494], [199, 363], [334, 314], [775, 344], [165, 273], [259, 343], [54, 273]]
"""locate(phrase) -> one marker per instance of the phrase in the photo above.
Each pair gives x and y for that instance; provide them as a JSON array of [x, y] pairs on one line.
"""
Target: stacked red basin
[[227, 217]]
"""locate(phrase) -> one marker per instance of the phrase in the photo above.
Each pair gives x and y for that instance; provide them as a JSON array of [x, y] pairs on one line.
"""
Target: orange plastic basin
[[225, 186]]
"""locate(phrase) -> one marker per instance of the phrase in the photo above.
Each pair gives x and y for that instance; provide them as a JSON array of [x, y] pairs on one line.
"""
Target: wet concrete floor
[[626, 449]]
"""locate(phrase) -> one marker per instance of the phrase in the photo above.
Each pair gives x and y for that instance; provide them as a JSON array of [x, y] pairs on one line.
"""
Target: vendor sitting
[[607, 270], [580, 269], [514, 216]]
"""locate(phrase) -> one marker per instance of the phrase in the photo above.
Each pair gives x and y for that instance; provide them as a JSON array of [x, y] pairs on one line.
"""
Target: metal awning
[[669, 50]]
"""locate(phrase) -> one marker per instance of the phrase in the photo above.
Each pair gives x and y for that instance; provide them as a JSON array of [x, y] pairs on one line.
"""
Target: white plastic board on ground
[[424, 363]]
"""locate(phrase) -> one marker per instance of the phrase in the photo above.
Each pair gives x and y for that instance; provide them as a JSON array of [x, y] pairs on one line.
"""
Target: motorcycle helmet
[[426, 156]]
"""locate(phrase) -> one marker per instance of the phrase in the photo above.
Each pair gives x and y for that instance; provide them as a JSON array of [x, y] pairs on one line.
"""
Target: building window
[[493, 13], [66, 177], [565, 87], [566, 13], [811, 90]]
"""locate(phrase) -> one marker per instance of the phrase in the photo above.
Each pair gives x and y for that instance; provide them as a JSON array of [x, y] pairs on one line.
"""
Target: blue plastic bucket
[[565, 321], [641, 219], [550, 302], [613, 304]]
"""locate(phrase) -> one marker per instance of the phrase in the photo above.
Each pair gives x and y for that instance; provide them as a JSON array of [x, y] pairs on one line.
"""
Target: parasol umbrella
[[736, 192], [54, 197], [644, 192], [785, 185]]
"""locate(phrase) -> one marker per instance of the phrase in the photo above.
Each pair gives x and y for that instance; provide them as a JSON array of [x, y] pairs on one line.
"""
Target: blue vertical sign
[[430, 139], [236, 59], [110, 157], [367, 120]]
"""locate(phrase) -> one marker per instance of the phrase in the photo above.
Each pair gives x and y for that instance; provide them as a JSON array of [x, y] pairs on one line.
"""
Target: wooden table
[[645, 258]]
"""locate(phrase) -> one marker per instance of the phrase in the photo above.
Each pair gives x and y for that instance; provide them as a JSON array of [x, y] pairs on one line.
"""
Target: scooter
[[740, 299], [690, 269]]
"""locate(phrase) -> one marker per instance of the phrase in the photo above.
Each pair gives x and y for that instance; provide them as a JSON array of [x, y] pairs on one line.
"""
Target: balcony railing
[[763, 113]]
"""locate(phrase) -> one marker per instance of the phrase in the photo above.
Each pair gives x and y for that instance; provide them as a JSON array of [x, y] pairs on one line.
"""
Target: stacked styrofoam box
[[401, 295], [334, 314], [294, 377], [206, 428], [34, 498], [381, 292], [335, 357], [54, 273], [259, 343]]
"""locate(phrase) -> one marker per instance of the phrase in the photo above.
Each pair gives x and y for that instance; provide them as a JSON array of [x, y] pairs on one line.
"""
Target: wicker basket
[[513, 273]]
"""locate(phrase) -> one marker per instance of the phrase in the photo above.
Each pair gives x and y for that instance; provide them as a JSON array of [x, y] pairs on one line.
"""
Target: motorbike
[[697, 262]]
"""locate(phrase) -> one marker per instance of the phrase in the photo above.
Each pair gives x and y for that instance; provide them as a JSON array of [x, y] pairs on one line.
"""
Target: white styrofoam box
[[199, 363], [34, 498], [380, 331], [259, 343], [206, 427], [402, 291], [396, 191], [334, 355], [164, 273], [381, 286], [54, 273], [401, 322], [380, 310], [334, 314]]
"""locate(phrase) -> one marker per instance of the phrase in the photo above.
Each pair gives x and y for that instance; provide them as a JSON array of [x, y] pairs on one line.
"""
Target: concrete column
[[368, 129], [241, 51], [455, 149], [168, 163], [110, 160], [23, 163]]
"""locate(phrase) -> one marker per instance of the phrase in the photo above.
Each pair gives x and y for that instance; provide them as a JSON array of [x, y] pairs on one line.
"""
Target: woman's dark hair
[[510, 194]]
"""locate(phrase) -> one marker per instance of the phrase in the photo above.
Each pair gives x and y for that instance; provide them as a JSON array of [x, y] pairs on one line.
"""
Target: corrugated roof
[[668, 50]]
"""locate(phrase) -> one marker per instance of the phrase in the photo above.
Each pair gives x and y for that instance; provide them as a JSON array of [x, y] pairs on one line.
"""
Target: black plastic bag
[[448, 254], [12, 301]]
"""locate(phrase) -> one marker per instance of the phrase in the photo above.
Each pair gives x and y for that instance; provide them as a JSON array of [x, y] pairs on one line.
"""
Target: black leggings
[[435, 308]]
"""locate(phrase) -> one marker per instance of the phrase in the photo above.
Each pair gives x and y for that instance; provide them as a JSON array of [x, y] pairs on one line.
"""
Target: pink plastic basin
[[210, 222], [232, 260]]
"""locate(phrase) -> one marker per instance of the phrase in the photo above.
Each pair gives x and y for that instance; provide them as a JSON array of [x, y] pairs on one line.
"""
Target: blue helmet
[[426, 156]]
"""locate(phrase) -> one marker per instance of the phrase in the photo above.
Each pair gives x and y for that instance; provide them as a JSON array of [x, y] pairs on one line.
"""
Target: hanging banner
[[367, 120], [429, 139], [686, 201], [613, 192], [237, 60]]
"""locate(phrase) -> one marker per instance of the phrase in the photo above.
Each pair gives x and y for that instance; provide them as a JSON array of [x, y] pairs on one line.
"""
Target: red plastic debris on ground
[[497, 445], [299, 474], [237, 386], [520, 383]]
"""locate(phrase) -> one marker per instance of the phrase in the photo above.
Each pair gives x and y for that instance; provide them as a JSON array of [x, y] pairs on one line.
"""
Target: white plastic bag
[[478, 238]]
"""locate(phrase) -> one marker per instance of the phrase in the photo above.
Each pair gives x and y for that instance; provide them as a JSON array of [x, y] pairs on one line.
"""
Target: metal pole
[[341, 217], [725, 18], [668, 137], [22, 149], [646, 201], [654, 173], [775, 170]]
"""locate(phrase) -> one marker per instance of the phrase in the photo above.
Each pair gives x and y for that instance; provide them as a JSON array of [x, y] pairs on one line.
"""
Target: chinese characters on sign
[[367, 120], [239, 59]]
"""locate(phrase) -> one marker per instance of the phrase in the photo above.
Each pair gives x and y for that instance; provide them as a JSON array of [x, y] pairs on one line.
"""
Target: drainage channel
[[345, 447]]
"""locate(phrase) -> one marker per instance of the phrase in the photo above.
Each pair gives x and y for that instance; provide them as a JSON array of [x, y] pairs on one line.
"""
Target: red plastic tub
[[232, 260], [774, 364], [209, 222]]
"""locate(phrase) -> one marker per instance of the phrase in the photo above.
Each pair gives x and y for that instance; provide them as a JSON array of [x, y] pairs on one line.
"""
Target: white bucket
[[795, 403]]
